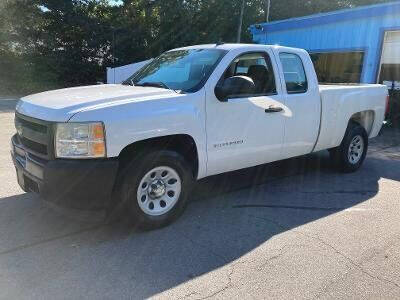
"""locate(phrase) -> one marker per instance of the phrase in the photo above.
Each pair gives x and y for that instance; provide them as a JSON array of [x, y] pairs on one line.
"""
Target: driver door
[[246, 130]]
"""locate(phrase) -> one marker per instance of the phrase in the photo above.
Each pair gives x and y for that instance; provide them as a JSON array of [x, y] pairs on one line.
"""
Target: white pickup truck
[[191, 113]]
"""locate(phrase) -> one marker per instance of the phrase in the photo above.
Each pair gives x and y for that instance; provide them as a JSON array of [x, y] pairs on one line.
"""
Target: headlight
[[80, 140]]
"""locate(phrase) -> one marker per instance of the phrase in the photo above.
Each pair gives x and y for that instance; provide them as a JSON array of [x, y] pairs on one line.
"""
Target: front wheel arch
[[183, 144]]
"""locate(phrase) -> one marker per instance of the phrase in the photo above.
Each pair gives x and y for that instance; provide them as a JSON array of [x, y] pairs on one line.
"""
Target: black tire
[[135, 172], [340, 155]]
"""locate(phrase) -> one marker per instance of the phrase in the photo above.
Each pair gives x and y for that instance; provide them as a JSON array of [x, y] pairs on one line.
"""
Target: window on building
[[293, 70], [338, 67]]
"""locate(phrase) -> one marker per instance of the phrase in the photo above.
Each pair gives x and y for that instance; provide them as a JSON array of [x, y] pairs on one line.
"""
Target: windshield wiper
[[128, 82], [156, 84]]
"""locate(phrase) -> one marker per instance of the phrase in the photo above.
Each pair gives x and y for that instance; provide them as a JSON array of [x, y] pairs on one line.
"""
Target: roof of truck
[[245, 47], [224, 46]]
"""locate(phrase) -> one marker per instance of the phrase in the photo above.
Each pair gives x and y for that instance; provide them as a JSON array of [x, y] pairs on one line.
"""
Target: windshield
[[183, 70]]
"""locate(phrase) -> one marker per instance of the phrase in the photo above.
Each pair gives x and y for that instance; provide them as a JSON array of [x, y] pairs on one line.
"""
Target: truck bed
[[339, 102]]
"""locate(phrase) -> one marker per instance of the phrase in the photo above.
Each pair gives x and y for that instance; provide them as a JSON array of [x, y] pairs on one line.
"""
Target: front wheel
[[350, 155], [155, 189]]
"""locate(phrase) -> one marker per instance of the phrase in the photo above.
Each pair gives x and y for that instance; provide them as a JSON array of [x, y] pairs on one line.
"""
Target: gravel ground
[[293, 229]]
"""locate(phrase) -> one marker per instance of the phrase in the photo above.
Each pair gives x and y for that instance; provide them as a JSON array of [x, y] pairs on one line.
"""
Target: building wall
[[358, 34], [119, 74]]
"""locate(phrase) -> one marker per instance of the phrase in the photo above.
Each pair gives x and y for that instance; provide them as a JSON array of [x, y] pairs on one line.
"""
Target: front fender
[[131, 122]]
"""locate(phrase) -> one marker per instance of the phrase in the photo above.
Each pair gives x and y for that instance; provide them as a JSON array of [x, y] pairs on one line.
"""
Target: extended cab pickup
[[190, 113]]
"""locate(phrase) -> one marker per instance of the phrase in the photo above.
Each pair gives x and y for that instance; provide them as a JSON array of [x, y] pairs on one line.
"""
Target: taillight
[[387, 105]]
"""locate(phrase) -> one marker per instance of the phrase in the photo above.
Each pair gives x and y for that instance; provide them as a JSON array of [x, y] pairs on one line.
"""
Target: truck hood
[[61, 105]]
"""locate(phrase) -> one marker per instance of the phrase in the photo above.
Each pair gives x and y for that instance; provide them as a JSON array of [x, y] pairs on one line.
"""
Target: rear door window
[[295, 75]]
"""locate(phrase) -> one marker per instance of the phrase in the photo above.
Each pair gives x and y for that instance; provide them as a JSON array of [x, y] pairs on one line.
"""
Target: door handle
[[273, 109]]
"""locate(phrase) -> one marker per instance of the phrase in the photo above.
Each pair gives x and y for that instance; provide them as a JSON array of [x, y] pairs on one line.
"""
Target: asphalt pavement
[[296, 229]]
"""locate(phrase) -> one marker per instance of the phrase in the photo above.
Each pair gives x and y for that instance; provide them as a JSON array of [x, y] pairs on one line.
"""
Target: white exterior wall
[[119, 74]]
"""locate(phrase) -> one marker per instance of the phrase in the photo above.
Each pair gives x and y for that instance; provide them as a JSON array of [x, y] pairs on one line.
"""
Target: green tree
[[46, 43], [58, 43]]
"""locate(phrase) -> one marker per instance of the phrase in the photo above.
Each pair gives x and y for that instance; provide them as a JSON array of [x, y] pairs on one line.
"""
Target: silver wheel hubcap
[[356, 149], [159, 190]]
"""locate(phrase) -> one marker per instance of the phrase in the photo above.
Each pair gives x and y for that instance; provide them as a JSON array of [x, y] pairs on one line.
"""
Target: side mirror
[[235, 85], [221, 93]]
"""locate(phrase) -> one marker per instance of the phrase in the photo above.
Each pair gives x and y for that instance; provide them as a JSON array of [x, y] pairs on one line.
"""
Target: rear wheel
[[155, 188], [350, 155]]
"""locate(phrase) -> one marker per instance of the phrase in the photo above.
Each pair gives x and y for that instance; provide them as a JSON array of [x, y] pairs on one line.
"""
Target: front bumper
[[79, 184]]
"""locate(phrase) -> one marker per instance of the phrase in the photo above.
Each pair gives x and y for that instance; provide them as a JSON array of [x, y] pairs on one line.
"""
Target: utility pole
[[267, 9], [239, 32], [113, 51]]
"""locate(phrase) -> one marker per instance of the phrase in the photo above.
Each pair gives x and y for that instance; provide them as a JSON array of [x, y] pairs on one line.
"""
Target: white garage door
[[389, 70], [391, 48]]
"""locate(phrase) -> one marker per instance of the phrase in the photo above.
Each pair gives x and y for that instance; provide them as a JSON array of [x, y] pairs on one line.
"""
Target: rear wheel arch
[[364, 118], [341, 155]]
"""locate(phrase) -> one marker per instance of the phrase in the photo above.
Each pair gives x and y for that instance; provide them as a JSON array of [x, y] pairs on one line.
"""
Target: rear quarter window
[[294, 73]]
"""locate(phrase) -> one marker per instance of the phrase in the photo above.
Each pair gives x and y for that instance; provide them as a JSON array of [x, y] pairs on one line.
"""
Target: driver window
[[257, 67]]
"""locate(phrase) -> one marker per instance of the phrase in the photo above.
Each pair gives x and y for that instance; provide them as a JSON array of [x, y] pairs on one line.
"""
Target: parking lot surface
[[293, 229]]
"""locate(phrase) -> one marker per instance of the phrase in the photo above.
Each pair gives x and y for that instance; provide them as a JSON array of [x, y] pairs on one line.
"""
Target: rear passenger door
[[302, 101]]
